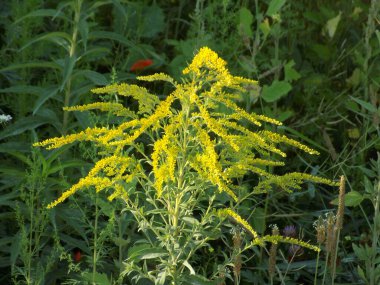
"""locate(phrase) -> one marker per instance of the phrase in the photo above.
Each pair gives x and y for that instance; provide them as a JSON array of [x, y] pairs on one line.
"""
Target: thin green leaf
[[95, 77], [67, 70], [48, 93], [36, 64], [42, 13], [366, 105], [23, 89], [60, 38]]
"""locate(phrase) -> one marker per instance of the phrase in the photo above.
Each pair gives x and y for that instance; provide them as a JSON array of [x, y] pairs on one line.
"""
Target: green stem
[[325, 270], [316, 268], [95, 252], [77, 9], [375, 238], [333, 271]]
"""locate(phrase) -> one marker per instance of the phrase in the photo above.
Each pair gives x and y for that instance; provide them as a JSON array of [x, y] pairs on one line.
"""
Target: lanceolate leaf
[[43, 13], [44, 96], [60, 38]]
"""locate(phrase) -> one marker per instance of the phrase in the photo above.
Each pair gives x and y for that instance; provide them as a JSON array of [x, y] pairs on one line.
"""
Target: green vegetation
[[192, 184]]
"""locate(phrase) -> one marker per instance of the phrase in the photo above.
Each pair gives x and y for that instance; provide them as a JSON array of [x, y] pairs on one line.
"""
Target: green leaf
[[101, 278], [96, 77], [68, 67], [332, 25], [196, 279], [275, 91], [245, 22], [145, 251], [378, 36], [366, 105], [290, 73], [48, 93], [43, 13], [60, 38], [362, 274], [36, 64], [258, 219], [265, 28], [353, 199], [111, 36], [153, 21], [23, 89], [274, 7], [22, 125]]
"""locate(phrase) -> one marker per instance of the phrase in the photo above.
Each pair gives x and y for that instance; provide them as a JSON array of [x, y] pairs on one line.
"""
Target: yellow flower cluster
[[228, 212], [290, 181], [260, 240], [220, 146], [164, 158], [157, 77], [146, 100], [115, 108], [209, 59]]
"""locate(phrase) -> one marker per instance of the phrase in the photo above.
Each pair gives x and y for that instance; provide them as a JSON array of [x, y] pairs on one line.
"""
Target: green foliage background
[[318, 67]]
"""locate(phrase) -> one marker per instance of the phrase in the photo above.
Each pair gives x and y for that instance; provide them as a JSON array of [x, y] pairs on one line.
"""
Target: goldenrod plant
[[175, 163]]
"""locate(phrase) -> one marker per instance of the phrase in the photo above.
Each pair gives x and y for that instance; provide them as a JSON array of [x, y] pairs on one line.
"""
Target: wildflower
[[295, 250], [141, 64], [290, 231], [77, 255], [5, 118], [320, 227]]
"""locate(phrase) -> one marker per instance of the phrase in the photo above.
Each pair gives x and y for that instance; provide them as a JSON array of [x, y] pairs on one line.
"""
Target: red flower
[[77, 255], [141, 64]]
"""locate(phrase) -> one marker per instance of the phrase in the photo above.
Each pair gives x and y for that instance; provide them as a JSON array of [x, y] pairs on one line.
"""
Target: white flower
[[5, 118]]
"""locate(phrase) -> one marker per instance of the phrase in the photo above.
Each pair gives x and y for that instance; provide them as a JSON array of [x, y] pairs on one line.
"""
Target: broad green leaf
[[366, 105], [245, 22], [275, 91], [153, 21], [332, 25], [48, 93], [274, 7], [290, 73], [258, 219], [351, 199]]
